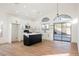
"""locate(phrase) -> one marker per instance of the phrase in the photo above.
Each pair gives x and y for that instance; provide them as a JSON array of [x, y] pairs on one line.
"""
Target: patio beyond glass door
[[57, 32], [62, 32]]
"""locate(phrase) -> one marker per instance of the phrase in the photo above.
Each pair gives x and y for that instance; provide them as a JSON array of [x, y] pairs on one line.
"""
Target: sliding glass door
[[62, 32], [57, 31]]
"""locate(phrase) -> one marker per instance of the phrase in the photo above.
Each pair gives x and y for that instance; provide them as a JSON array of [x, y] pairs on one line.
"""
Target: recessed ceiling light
[[24, 6]]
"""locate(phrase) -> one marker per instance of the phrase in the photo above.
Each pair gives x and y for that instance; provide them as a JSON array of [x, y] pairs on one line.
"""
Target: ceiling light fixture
[[61, 16]]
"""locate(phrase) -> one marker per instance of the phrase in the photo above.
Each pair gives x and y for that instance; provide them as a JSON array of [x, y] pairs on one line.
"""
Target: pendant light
[[60, 17]]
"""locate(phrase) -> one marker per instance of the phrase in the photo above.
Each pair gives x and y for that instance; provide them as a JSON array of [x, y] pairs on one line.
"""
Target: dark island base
[[32, 39]]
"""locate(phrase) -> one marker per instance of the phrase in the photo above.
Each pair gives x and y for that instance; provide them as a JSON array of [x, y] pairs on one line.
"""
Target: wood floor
[[45, 48]]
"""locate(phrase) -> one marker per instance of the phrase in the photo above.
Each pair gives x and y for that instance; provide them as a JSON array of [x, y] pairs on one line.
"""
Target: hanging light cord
[[57, 10]]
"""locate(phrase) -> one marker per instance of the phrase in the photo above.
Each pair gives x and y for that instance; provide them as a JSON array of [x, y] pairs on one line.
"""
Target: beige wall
[[33, 15]]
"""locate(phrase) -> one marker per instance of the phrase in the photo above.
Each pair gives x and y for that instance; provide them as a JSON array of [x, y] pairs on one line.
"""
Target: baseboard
[[4, 43]]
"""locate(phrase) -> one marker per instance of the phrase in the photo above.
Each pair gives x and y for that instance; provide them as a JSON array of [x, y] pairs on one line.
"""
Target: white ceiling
[[29, 10]]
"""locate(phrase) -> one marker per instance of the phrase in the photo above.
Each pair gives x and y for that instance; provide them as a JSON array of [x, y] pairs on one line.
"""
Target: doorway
[[15, 32], [62, 32]]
